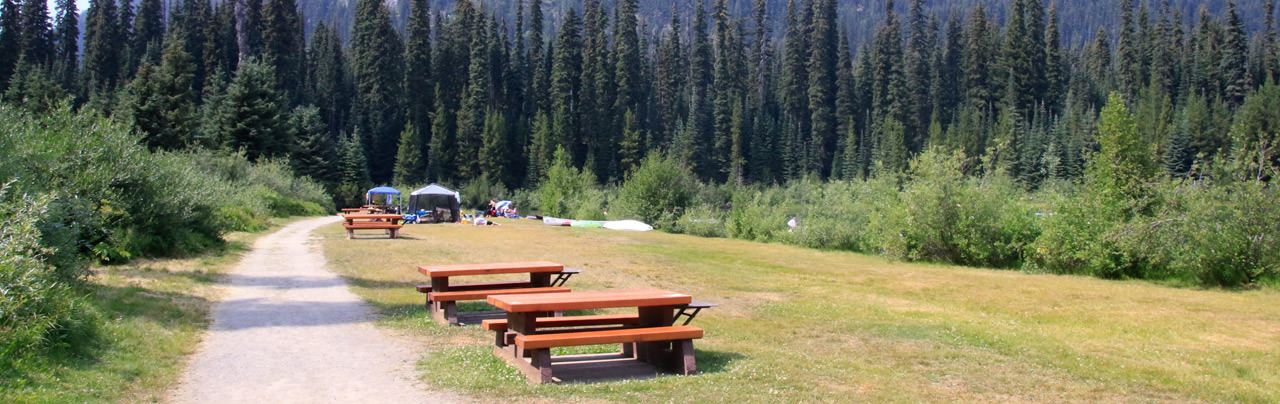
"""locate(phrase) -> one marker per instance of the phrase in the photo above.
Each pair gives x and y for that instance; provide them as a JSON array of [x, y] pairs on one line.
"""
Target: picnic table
[[530, 330], [372, 221], [443, 295]]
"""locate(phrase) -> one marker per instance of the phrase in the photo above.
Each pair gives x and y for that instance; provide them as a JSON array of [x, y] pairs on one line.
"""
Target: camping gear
[[445, 203]]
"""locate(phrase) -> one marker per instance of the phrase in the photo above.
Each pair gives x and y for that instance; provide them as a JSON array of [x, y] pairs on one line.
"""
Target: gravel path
[[289, 331]]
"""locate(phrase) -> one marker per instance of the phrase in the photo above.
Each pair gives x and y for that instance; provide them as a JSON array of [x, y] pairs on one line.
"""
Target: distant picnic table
[[390, 223]]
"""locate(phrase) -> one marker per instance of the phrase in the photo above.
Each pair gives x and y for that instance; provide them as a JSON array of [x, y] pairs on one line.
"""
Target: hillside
[[1080, 19]]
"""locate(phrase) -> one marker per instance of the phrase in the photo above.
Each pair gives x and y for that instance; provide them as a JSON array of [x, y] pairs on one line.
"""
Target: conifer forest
[[1139, 143]]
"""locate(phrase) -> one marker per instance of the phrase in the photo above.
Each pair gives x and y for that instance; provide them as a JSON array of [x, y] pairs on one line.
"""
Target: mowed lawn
[[801, 325]]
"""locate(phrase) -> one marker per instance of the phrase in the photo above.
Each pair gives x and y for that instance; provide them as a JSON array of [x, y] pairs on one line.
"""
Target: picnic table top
[[490, 268], [354, 216], [595, 299]]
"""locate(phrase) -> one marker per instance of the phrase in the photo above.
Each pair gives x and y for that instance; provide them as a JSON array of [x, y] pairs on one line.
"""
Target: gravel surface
[[289, 331]]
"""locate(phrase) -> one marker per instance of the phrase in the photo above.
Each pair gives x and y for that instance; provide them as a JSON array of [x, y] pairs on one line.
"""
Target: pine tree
[[10, 39], [148, 32], [376, 68], [1055, 80], [1122, 169], [409, 164], [67, 46], [124, 30], [978, 56], [632, 144], [628, 62], [1128, 53], [701, 75], [540, 147], [566, 75], [539, 76], [823, 58], [101, 56], [919, 78], [471, 115], [670, 76], [330, 86], [316, 153], [353, 171], [441, 151], [1232, 65], [417, 80], [251, 118], [493, 153], [282, 46], [792, 90], [37, 35], [161, 101], [948, 76]]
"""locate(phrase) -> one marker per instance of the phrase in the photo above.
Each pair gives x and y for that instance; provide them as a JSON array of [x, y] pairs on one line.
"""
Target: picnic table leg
[[657, 316], [540, 279], [682, 357]]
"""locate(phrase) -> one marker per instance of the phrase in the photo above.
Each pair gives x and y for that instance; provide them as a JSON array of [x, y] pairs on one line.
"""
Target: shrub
[[564, 187], [657, 192], [702, 220]]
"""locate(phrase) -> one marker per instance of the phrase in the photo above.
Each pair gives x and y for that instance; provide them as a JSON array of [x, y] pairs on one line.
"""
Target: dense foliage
[[80, 187]]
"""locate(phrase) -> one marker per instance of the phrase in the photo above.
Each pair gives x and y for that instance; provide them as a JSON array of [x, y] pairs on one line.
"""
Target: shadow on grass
[[710, 361]]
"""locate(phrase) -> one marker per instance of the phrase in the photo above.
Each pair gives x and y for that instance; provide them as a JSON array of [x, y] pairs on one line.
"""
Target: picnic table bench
[[443, 296], [367, 221], [526, 337]]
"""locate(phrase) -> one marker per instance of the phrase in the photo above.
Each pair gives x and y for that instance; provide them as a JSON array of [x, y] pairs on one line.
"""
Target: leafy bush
[[564, 188], [657, 192], [37, 306], [702, 220], [477, 193]]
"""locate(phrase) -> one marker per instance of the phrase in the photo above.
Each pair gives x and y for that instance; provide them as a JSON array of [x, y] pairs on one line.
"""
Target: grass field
[[152, 312], [799, 325]]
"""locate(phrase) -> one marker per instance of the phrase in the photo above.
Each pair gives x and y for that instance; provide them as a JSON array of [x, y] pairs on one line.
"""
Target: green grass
[[799, 325], [146, 318]]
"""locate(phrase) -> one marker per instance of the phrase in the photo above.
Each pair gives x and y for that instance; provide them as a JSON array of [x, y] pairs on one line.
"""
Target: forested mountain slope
[[1080, 19]]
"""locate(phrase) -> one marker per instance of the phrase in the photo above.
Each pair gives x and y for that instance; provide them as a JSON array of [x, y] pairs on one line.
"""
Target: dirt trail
[[289, 331]]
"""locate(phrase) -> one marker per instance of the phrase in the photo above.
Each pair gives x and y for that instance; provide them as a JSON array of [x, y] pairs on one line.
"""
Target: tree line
[[465, 95]]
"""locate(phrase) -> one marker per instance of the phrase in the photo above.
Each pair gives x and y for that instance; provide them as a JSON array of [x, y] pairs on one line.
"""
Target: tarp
[[633, 225], [435, 197], [391, 193]]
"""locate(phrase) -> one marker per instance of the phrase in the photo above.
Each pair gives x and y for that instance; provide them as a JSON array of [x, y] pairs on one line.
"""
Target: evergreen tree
[[538, 151], [630, 148], [793, 95], [148, 32], [1055, 80], [1128, 52], [919, 78], [540, 71], [823, 58], [441, 151], [124, 30], [316, 153], [327, 74], [701, 75], [979, 54], [471, 115], [493, 151], [1121, 171], [409, 162], [566, 74], [101, 54], [376, 68], [161, 101], [353, 171], [948, 76], [10, 39], [66, 46], [1178, 155], [417, 80], [251, 119], [670, 76], [282, 46], [627, 71], [1232, 65], [37, 34]]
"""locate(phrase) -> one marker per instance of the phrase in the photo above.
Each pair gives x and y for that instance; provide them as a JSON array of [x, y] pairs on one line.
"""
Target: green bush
[[37, 306], [702, 220], [656, 193], [564, 189]]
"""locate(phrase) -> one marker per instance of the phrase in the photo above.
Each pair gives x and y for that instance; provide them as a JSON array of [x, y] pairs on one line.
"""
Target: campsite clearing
[[800, 325]]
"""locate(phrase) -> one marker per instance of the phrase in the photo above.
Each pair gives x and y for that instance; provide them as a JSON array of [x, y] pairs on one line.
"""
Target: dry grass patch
[[800, 325]]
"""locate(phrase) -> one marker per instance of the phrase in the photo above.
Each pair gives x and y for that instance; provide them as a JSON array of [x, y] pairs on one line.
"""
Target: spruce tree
[[979, 55], [566, 74], [793, 87], [409, 161], [251, 119], [37, 34], [148, 32], [161, 100], [917, 64], [670, 77], [10, 39], [376, 68], [67, 46], [701, 80], [327, 74], [823, 58], [1128, 53], [101, 53], [353, 171], [493, 151], [282, 46], [417, 80], [442, 153], [316, 152], [471, 114], [1232, 65], [1055, 79]]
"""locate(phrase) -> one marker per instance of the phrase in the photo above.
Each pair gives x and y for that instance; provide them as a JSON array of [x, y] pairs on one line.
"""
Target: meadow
[[802, 325]]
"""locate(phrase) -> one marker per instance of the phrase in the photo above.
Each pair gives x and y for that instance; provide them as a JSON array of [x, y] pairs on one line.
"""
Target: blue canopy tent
[[382, 196]]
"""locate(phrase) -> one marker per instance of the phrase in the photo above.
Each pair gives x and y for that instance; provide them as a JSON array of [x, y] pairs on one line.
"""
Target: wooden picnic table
[[649, 336], [372, 221], [442, 296], [351, 218]]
